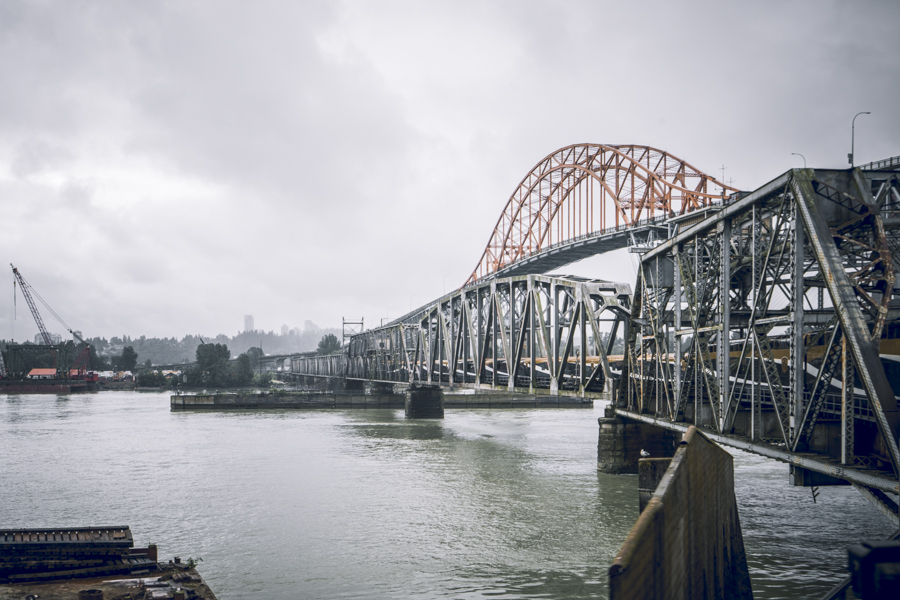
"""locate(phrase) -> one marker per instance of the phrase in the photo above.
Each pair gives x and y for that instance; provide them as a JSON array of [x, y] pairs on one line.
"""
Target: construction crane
[[81, 361], [26, 291]]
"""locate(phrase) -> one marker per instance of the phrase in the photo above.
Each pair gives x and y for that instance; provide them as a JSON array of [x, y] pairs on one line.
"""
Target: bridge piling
[[424, 402], [621, 440]]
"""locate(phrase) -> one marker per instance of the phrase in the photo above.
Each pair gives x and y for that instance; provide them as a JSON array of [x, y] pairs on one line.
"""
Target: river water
[[365, 504]]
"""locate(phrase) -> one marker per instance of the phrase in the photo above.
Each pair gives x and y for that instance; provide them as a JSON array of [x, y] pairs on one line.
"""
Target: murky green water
[[365, 504]]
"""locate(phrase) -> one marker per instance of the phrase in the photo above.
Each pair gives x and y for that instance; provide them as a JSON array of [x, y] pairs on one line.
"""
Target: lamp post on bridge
[[853, 136], [801, 156]]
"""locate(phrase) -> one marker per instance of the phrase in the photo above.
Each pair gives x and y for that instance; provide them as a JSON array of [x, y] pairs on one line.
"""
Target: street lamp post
[[853, 135], [801, 156]]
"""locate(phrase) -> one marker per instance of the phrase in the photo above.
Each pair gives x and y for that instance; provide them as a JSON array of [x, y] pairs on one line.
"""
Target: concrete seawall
[[687, 543], [308, 400]]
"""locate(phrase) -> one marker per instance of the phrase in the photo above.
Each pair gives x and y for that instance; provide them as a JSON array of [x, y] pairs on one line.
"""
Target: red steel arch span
[[588, 189]]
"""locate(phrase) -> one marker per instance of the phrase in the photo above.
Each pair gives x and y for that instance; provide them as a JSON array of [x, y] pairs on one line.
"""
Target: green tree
[[329, 344], [255, 354], [212, 365], [128, 360], [243, 370], [263, 379], [150, 379], [98, 362]]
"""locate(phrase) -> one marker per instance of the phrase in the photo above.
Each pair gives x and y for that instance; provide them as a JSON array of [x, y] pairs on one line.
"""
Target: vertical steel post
[[553, 361], [754, 388], [723, 361], [509, 351], [479, 343], [798, 380], [451, 368], [698, 363], [846, 404], [676, 293], [582, 302], [530, 305], [495, 317]]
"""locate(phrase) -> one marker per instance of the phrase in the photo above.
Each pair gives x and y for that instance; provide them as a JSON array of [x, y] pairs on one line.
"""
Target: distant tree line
[[110, 354], [126, 360], [213, 368]]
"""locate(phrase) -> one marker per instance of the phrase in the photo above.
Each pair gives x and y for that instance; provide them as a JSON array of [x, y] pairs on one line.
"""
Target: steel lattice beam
[[770, 290]]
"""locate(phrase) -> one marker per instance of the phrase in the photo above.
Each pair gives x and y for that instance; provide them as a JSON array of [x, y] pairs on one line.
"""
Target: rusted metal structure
[[589, 198], [47, 554], [769, 323]]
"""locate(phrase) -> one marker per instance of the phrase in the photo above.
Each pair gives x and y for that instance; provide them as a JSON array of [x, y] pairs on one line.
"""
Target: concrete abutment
[[621, 440], [424, 402]]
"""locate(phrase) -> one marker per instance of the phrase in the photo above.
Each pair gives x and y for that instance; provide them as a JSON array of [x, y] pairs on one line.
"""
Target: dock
[[91, 563], [314, 400]]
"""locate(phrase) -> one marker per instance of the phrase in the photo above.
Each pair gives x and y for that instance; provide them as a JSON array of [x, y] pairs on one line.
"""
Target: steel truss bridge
[[749, 310]]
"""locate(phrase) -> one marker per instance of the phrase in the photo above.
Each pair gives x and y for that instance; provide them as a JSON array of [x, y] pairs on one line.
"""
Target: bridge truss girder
[[801, 270], [526, 334]]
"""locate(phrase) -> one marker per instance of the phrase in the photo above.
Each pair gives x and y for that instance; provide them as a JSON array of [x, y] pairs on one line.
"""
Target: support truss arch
[[586, 189]]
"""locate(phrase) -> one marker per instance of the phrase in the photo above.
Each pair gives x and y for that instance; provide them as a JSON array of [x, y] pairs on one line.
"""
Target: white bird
[[644, 453]]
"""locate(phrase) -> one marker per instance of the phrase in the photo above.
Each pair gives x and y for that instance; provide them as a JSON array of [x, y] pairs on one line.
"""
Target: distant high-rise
[[285, 330], [55, 338], [248, 323]]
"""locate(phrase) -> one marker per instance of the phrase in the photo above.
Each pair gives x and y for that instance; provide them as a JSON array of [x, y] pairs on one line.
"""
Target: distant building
[[42, 374], [248, 323], [285, 330], [76, 334], [55, 338]]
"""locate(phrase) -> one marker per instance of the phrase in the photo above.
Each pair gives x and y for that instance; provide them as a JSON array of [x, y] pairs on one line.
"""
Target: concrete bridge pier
[[381, 387], [424, 402], [621, 440]]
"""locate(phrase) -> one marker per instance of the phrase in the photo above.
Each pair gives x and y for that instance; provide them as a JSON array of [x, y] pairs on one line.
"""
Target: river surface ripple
[[365, 504]]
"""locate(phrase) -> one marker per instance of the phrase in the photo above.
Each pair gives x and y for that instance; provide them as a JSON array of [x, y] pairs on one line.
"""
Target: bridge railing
[[893, 161]]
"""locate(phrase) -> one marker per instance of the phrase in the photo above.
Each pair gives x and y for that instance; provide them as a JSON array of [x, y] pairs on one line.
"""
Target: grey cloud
[[320, 158], [34, 157]]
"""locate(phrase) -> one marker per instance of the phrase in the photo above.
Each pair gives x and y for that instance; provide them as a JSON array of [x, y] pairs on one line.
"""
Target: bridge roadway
[[795, 283]]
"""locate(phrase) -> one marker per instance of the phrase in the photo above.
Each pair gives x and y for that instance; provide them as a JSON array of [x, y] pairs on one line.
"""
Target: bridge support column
[[424, 402], [621, 441]]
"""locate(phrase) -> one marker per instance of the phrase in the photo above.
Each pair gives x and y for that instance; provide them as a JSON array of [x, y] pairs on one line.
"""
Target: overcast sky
[[167, 167]]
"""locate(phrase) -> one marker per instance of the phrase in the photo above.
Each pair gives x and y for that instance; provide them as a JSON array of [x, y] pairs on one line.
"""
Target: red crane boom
[[26, 291], [81, 362]]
